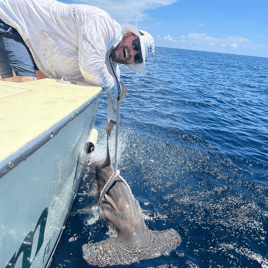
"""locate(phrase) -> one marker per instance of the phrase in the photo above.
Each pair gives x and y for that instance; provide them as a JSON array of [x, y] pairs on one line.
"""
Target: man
[[74, 42]]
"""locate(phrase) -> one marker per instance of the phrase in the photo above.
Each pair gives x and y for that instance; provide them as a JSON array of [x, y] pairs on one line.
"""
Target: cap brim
[[130, 28], [136, 67]]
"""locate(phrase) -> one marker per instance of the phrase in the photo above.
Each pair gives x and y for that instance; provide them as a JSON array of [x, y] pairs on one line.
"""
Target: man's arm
[[94, 44], [112, 107], [95, 38]]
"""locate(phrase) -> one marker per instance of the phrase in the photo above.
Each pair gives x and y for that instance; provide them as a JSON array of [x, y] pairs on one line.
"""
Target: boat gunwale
[[31, 147]]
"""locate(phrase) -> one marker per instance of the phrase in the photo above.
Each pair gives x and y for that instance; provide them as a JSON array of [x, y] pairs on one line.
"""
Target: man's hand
[[109, 127], [111, 123]]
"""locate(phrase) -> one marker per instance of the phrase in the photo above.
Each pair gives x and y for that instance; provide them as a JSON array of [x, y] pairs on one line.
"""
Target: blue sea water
[[194, 139]]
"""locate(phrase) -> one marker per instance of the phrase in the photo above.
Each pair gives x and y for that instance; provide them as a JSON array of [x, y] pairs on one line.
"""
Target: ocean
[[194, 141]]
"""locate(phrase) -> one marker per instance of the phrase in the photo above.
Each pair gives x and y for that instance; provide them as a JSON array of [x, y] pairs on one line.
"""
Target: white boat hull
[[37, 188]]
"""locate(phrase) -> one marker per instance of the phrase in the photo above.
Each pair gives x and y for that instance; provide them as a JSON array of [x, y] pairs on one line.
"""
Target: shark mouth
[[114, 252]]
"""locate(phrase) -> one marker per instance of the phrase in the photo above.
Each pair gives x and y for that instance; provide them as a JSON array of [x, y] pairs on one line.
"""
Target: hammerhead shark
[[131, 240]]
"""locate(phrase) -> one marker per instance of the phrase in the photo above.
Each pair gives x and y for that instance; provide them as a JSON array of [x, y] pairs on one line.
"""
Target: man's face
[[124, 53]]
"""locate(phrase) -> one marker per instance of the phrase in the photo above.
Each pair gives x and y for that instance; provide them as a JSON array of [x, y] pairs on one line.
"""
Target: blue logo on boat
[[26, 246]]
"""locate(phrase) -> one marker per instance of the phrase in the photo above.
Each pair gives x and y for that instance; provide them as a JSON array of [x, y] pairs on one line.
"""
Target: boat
[[44, 128]]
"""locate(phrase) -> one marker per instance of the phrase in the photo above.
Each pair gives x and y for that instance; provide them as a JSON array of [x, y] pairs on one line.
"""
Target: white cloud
[[182, 39], [234, 45], [169, 38], [202, 39], [126, 10]]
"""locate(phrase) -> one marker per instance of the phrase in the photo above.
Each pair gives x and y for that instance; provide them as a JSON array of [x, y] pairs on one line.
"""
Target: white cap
[[147, 46]]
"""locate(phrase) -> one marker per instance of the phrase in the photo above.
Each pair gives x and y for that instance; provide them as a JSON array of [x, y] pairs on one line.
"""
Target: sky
[[229, 26]]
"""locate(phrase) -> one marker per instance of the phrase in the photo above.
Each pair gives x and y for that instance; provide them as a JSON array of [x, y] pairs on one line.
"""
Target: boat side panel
[[37, 194]]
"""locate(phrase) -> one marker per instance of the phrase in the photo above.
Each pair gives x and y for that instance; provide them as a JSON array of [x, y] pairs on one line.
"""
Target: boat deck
[[29, 109]]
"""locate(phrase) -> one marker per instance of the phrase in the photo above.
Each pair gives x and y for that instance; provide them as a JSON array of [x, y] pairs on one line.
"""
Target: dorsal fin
[[107, 161]]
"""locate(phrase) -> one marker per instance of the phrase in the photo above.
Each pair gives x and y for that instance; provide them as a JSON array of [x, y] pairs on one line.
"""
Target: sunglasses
[[137, 47]]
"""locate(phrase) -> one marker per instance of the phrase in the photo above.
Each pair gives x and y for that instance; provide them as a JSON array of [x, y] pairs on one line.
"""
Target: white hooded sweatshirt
[[71, 41]]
